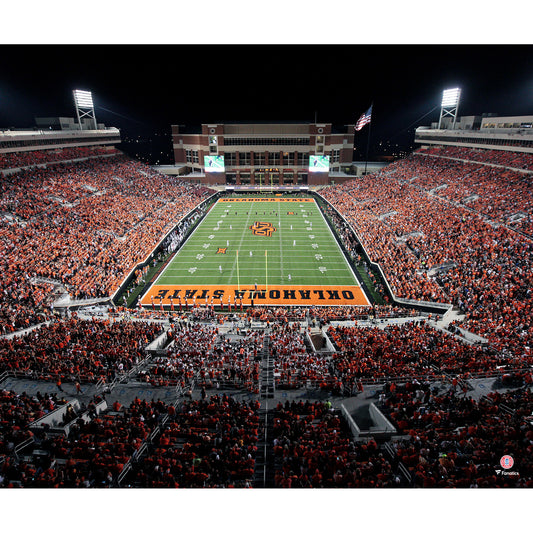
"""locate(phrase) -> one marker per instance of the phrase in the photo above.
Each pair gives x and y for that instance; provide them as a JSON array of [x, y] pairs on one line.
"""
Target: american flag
[[364, 119]]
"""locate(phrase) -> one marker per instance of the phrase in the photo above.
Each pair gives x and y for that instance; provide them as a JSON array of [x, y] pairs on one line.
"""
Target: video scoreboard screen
[[214, 163], [319, 163]]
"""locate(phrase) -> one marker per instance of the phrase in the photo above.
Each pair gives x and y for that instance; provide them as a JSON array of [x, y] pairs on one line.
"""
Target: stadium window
[[335, 155], [288, 158], [195, 156], [259, 159], [230, 159], [273, 158], [245, 158], [303, 159], [212, 149], [188, 154], [320, 139]]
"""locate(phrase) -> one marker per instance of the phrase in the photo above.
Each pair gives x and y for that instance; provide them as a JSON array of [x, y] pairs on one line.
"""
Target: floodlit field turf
[[273, 245]]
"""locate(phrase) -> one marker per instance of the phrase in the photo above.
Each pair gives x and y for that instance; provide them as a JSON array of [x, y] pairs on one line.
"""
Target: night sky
[[143, 89]]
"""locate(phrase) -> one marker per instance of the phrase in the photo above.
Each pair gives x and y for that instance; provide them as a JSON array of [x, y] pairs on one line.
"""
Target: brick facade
[[267, 145]]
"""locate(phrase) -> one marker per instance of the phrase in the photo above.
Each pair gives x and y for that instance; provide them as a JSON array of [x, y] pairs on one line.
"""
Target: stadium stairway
[[267, 370], [264, 465], [264, 459], [448, 324]]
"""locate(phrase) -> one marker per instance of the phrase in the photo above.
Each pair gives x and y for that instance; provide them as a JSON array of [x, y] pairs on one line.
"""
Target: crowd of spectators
[[84, 225], [23, 304], [276, 314], [381, 211], [210, 442], [456, 441], [88, 224], [93, 453], [314, 449], [501, 194], [505, 158], [78, 350], [294, 365], [17, 412], [41, 157], [413, 349], [433, 250], [199, 354], [325, 314]]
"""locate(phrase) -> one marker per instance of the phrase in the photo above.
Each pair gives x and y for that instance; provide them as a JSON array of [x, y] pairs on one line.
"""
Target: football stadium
[[283, 319]]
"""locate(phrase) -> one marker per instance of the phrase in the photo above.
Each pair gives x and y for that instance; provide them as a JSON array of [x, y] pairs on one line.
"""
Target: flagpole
[[368, 138]]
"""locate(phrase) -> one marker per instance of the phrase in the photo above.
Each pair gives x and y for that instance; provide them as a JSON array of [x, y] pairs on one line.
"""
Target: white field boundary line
[[188, 238], [147, 257], [342, 254]]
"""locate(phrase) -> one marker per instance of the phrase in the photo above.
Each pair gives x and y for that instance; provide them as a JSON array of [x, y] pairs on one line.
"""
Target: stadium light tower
[[450, 104], [83, 100]]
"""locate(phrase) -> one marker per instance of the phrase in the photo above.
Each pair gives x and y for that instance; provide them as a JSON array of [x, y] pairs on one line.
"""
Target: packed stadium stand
[[430, 386]]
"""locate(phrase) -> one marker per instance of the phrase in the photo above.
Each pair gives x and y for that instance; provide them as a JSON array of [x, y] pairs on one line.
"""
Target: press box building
[[263, 154]]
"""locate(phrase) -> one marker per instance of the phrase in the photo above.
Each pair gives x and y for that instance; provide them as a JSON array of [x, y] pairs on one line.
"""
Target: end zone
[[175, 296]]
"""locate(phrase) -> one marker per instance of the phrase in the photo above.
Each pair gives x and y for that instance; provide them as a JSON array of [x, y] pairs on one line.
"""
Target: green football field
[[273, 245]]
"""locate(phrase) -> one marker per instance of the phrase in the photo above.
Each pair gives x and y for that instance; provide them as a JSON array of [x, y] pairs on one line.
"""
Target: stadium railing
[[401, 467], [55, 418], [19, 448]]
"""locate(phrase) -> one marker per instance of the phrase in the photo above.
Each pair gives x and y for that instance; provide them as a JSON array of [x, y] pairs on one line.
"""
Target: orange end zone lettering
[[279, 295]]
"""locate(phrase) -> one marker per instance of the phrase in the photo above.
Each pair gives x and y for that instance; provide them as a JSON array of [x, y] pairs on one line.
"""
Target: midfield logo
[[221, 250], [265, 229]]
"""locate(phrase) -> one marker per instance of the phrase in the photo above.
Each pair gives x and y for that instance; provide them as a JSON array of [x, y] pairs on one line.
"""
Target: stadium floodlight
[[450, 97], [450, 104], [83, 100]]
